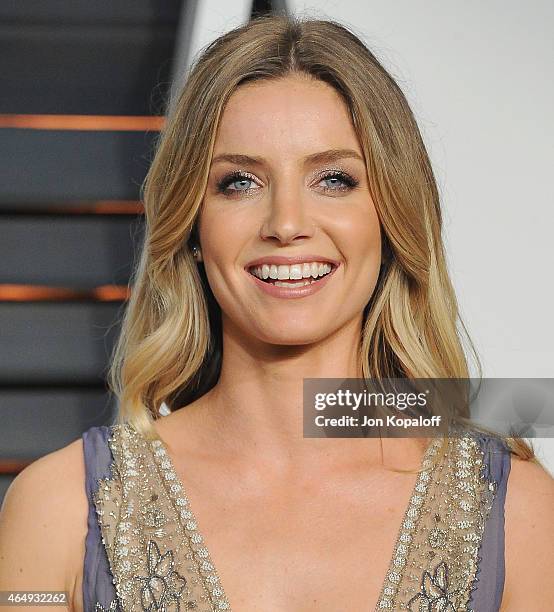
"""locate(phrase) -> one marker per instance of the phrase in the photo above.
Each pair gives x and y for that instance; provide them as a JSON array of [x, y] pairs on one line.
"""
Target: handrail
[[44, 293], [101, 123]]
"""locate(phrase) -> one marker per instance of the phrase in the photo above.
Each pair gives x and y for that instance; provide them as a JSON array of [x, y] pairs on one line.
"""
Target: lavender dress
[[98, 586], [152, 581]]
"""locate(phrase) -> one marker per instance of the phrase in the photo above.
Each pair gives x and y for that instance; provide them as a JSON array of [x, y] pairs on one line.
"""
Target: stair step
[[57, 342], [78, 57], [63, 165], [71, 251]]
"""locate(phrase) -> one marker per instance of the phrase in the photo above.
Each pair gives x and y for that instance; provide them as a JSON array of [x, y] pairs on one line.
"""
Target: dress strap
[[489, 582], [98, 588]]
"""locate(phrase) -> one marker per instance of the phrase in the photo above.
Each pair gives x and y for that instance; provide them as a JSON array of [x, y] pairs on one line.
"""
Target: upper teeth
[[296, 271]]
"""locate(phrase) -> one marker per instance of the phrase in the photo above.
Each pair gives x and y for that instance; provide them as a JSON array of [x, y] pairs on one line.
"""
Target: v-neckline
[[177, 493]]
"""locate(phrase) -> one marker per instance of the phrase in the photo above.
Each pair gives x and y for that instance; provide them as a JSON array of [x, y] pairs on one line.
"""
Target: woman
[[291, 153]]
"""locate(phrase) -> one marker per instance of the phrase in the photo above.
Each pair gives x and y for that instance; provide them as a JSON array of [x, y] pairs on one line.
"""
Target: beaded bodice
[[158, 559]]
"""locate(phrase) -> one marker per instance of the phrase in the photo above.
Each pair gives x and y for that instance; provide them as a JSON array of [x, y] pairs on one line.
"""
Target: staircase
[[84, 86]]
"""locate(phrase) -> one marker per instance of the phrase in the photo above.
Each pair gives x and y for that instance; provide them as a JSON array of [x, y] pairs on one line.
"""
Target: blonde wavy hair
[[169, 348]]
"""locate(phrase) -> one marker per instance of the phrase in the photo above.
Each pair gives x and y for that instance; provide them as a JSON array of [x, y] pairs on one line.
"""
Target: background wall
[[83, 85]]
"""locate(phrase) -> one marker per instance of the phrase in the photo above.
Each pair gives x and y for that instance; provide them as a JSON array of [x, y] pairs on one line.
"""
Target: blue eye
[[239, 179], [338, 181], [237, 182]]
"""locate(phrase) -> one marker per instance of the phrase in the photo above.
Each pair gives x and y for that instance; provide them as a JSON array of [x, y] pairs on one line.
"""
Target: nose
[[288, 218]]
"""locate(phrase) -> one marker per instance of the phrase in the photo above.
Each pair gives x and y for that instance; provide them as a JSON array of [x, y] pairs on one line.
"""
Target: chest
[[296, 553], [324, 548]]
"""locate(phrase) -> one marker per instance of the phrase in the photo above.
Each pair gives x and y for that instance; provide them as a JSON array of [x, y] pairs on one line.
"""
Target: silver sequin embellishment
[[442, 531], [113, 607]]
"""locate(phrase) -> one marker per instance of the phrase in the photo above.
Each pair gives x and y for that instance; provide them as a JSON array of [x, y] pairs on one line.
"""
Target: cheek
[[224, 227], [217, 235], [359, 234], [222, 238]]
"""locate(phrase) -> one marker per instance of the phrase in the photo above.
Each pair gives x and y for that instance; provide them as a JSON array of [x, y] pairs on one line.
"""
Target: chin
[[292, 341], [294, 336]]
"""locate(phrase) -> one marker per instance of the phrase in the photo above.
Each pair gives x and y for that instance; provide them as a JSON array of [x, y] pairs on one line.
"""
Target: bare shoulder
[[43, 523], [529, 534]]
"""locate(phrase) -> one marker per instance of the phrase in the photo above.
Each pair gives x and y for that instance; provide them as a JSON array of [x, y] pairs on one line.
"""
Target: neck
[[256, 407]]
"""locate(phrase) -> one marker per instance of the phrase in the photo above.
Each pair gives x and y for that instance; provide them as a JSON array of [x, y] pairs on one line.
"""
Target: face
[[288, 184]]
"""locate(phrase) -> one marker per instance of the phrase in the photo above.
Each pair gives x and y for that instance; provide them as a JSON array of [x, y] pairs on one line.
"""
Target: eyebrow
[[329, 156]]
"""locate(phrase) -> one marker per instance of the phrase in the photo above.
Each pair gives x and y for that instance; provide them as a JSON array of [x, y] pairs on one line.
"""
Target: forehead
[[289, 114]]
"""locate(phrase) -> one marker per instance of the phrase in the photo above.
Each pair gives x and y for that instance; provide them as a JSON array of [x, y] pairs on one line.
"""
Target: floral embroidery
[[434, 595], [163, 585]]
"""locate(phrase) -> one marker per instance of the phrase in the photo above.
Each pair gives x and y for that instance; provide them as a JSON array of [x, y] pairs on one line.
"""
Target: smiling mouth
[[297, 275]]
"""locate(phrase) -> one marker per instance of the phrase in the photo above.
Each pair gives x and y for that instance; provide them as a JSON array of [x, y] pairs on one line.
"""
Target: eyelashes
[[234, 177], [238, 176]]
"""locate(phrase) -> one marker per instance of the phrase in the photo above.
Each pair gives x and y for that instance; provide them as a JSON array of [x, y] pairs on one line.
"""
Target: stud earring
[[164, 409], [195, 252]]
